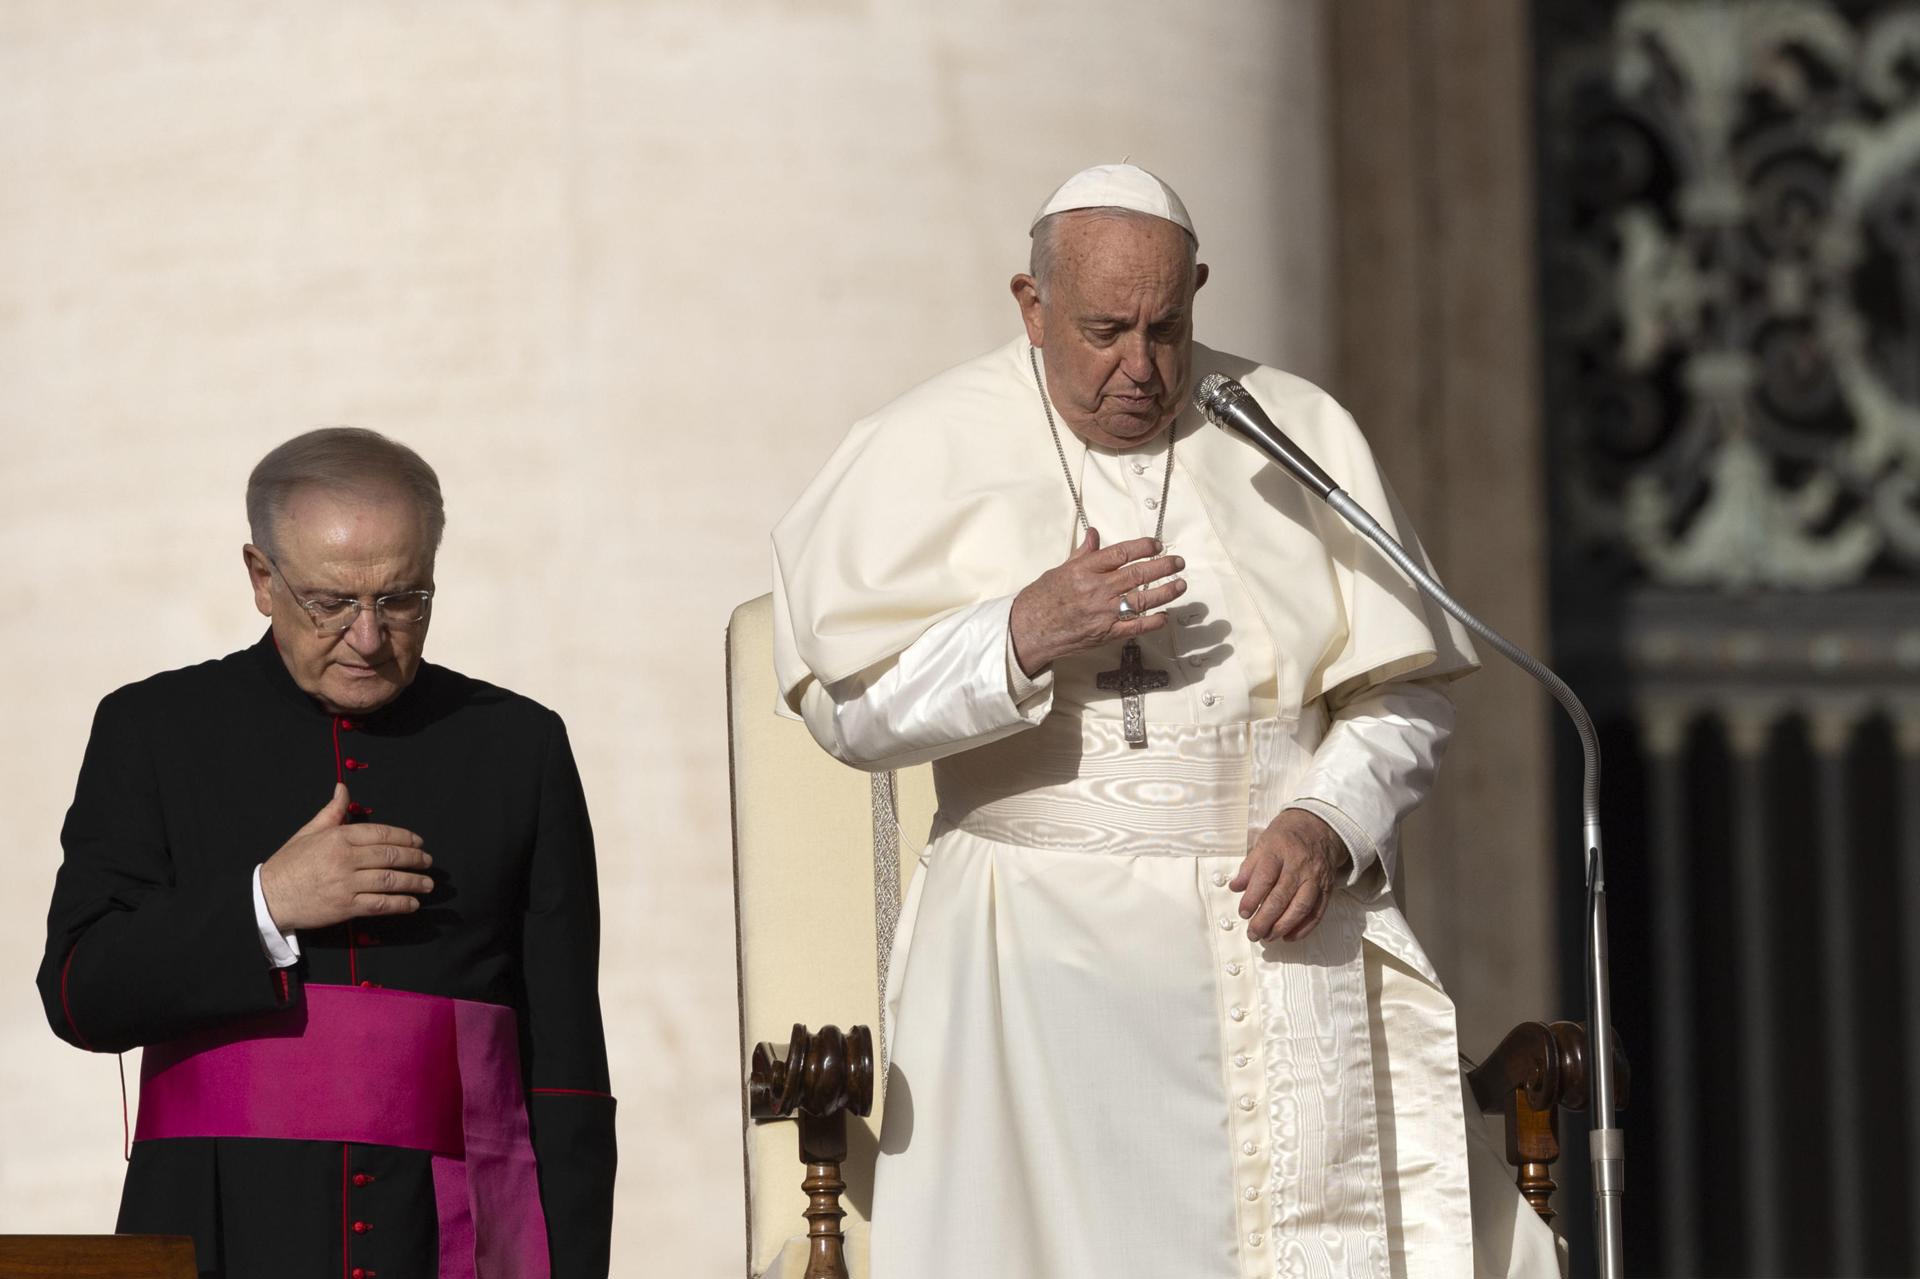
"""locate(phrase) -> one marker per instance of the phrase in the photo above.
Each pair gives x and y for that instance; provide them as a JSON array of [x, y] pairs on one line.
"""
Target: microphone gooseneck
[[1226, 403]]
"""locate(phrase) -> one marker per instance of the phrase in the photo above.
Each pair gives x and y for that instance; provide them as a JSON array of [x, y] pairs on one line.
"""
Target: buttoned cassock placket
[[1213, 683], [1376, 758], [366, 1180], [365, 1205]]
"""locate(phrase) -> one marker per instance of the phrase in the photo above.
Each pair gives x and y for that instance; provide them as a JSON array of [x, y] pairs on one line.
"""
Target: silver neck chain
[[1166, 480]]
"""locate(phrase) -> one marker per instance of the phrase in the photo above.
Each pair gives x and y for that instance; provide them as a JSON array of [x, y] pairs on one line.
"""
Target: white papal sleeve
[[1375, 765], [956, 687], [282, 948]]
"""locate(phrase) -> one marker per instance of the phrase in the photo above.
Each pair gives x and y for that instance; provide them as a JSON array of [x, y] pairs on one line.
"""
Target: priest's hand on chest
[[1075, 606], [330, 871], [1289, 876]]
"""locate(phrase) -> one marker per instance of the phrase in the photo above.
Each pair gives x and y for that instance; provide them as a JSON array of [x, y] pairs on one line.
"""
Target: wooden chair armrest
[[820, 1079], [1536, 1070]]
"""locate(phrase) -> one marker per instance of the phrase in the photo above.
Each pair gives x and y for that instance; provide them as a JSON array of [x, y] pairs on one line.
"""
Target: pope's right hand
[[330, 872], [1075, 606]]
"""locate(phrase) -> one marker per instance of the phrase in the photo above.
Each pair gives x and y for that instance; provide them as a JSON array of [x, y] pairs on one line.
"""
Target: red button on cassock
[[361, 1178], [359, 1272], [369, 985], [361, 1227], [359, 810], [346, 726], [352, 763]]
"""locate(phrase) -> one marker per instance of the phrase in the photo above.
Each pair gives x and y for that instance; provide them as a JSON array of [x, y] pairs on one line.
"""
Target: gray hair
[[1046, 236], [346, 460]]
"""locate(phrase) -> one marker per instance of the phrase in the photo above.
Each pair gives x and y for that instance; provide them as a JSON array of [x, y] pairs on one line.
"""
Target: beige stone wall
[[623, 272], [1435, 356]]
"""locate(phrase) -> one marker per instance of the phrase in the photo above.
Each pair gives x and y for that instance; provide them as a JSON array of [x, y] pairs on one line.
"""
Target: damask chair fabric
[[809, 934]]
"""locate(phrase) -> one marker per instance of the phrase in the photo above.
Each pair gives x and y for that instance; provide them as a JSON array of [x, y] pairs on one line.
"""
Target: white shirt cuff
[[282, 948]]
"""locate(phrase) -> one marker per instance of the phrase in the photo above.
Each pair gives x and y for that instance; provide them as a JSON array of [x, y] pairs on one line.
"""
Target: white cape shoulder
[[952, 494]]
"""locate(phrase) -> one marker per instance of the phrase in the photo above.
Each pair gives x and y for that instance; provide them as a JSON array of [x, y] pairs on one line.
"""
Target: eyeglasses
[[333, 614]]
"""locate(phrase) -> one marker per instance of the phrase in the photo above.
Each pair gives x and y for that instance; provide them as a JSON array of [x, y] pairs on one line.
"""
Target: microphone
[[1224, 402]]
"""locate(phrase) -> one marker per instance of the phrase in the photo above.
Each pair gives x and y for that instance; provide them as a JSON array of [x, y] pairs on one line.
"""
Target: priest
[[1152, 1008], [345, 901]]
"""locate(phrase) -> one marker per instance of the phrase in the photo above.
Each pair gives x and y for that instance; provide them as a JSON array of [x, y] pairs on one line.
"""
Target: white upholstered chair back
[[813, 906]]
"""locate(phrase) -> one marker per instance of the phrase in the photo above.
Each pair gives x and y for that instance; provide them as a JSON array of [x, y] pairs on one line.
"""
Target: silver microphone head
[[1228, 404], [1214, 393]]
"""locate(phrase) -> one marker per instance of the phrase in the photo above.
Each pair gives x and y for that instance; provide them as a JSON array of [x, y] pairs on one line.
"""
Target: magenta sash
[[381, 1068]]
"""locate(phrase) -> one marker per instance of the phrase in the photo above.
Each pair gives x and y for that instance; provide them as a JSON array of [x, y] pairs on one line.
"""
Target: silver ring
[[1126, 607]]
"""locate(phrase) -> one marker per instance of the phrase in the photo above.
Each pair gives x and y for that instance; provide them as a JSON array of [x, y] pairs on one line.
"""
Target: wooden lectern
[[96, 1257]]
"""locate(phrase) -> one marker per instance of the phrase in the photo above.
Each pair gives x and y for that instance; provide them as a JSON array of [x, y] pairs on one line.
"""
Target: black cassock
[[194, 777]]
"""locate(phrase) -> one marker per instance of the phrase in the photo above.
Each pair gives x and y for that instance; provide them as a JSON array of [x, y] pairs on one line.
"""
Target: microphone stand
[[1226, 403], [1607, 1142]]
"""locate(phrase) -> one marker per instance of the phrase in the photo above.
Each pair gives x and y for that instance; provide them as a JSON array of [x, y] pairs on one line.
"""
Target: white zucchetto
[[1117, 186]]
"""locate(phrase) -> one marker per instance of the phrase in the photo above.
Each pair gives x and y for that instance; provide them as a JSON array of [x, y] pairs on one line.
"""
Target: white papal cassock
[[1094, 1071]]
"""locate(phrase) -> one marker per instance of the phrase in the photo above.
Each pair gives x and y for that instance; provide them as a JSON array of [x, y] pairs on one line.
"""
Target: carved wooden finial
[[822, 1078], [1536, 1070]]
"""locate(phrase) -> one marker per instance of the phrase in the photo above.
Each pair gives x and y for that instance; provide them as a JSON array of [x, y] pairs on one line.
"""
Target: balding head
[[347, 461]]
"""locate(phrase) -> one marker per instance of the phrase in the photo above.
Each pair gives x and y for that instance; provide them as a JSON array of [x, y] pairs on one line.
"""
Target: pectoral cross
[[1131, 680]]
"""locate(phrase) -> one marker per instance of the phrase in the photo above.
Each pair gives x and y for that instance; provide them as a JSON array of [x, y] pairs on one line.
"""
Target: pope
[[1152, 1007]]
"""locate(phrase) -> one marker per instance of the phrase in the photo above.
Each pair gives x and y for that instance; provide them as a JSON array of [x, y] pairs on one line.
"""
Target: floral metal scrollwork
[[1732, 204]]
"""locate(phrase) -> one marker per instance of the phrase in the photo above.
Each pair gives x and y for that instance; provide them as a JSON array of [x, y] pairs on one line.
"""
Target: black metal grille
[[1730, 263]]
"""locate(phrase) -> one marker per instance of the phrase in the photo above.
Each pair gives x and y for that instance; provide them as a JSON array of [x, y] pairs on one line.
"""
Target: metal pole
[[1606, 1142]]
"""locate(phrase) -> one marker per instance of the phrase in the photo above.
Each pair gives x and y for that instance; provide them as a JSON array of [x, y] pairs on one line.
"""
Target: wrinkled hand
[[329, 871], [1075, 606], [1289, 876]]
